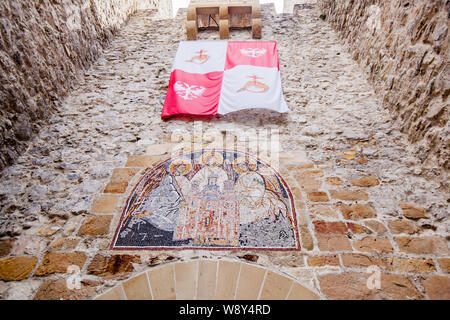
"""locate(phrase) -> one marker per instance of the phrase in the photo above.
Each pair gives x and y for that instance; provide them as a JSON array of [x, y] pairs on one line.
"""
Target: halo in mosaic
[[209, 200]]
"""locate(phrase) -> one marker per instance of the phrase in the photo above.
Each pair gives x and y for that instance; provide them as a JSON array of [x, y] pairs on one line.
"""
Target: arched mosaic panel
[[209, 200]]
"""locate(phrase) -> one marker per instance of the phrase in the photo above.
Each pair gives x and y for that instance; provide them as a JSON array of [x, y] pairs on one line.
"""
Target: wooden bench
[[224, 14]]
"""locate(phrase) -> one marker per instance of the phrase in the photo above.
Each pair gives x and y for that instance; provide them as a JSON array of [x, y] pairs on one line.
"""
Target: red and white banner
[[210, 77]]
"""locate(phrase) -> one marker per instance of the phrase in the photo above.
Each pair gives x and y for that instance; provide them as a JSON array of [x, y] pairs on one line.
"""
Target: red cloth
[[192, 93], [196, 85]]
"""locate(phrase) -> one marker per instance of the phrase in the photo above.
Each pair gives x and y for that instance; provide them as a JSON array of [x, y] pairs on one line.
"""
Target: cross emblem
[[202, 57], [201, 52], [254, 77]]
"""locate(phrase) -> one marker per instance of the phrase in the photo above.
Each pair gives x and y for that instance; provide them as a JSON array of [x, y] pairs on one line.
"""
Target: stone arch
[[203, 279]]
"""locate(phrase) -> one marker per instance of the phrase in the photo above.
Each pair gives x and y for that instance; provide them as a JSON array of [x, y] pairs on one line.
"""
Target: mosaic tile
[[209, 200]]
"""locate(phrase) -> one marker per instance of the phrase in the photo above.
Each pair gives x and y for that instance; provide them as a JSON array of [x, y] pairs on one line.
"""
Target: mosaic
[[209, 199]]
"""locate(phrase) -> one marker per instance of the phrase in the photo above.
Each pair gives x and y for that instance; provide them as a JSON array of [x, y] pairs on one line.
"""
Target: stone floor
[[364, 204]]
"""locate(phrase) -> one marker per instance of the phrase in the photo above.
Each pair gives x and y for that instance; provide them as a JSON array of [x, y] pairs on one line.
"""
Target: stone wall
[[45, 45], [290, 5], [403, 45]]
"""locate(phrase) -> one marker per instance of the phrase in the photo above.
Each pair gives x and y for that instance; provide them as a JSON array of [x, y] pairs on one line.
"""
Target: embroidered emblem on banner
[[186, 91], [201, 58], [253, 52], [254, 85]]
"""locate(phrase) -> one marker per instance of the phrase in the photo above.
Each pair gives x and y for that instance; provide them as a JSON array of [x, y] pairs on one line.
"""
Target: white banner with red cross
[[219, 77]]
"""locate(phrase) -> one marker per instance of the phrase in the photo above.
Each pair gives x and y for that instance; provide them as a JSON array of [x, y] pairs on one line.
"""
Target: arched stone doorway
[[205, 279]]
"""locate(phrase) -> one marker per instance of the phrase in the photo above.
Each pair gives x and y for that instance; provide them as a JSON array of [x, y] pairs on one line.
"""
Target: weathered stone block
[[422, 245], [111, 265], [306, 238], [58, 290], [317, 196], [334, 181], [437, 287], [116, 187], [413, 212], [382, 245], [366, 182], [58, 262], [17, 268], [376, 226], [357, 228], [319, 261], [357, 211], [323, 211], [104, 204], [353, 286], [356, 260], [349, 195], [123, 174], [403, 226], [412, 265], [333, 242], [444, 263], [64, 244], [330, 227], [309, 184], [143, 161], [95, 226], [5, 247]]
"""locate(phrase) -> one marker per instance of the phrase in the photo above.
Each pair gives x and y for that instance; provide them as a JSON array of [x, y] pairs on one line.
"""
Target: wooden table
[[223, 14]]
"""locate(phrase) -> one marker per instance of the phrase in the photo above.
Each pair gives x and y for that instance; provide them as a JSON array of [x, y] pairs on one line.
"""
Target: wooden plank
[[191, 30], [229, 13], [256, 28], [206, 11], [191, 13], [223, 12], [211, 3], [223, 29], [239, 10], [240, 21], [256, 10]]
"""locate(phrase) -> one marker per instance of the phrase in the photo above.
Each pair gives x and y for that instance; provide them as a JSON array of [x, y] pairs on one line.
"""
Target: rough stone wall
[[403, 45], [44, 47], [290, 5]]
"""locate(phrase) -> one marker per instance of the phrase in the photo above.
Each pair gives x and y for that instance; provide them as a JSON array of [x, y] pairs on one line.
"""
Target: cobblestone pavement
[[361, 195]]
